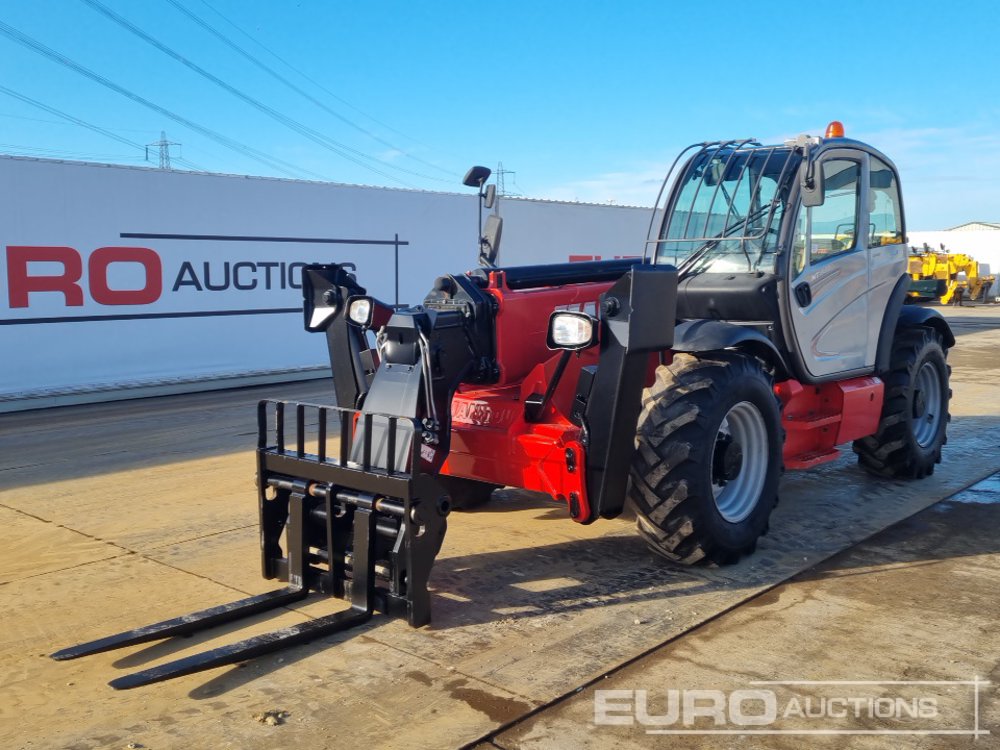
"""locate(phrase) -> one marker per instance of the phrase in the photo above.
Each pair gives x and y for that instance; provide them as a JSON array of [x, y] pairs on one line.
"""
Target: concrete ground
[[915, 602], [121, 514]]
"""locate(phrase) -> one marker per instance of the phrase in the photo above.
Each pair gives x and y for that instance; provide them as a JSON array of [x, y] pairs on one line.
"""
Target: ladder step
[[815, 458], [810, 423]]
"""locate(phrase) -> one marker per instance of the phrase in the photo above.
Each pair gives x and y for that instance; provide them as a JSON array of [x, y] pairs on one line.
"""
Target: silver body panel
[[838, 331]]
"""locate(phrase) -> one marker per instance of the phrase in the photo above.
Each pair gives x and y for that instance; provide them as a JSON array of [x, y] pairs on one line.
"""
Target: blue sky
[[582, 101]]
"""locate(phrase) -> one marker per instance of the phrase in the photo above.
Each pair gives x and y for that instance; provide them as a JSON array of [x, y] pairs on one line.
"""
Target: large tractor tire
[[914, 422], [708, 458]]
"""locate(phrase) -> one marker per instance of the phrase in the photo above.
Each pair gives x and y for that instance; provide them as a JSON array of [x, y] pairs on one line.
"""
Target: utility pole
[[501, 183], [164, 148]]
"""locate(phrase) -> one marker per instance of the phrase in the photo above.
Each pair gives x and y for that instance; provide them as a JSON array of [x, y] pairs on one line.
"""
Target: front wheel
[[708, 458], [913, 426]]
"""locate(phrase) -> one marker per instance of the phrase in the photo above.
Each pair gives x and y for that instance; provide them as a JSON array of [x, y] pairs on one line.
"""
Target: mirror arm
[[809, 180], [484, 244]]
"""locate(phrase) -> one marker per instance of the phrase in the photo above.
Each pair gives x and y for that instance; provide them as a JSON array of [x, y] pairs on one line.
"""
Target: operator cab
[[801, 242]]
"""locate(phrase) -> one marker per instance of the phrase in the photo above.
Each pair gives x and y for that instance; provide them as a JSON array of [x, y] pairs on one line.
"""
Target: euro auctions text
[[800, 707], [111, 276]]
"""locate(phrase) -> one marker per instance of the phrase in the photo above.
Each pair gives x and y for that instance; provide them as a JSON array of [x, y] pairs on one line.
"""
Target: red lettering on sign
[[20, 284], [97, 272]]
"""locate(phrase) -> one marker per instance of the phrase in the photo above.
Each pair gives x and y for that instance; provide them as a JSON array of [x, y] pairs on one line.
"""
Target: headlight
[[360, 310], [571, 330]]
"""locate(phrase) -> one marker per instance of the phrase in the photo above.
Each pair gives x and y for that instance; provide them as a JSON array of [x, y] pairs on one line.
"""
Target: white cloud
[[637, 187], [949, 174], [390, 155]]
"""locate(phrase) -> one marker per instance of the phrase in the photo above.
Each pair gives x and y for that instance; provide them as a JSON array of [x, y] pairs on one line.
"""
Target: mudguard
[[695, 336], [916, 315]]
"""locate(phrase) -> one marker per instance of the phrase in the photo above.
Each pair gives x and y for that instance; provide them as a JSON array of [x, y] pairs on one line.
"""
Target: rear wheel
[[914, 420], [708, 458]]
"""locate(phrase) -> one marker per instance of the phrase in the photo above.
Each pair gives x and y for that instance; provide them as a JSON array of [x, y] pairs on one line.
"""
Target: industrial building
[[122, 281]]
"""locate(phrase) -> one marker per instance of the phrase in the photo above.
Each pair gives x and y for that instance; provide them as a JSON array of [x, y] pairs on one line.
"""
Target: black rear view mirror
[[811, 184], [490, 196], [881, 179], [476, 176], [714, 172], [320, 296], [489, 243]]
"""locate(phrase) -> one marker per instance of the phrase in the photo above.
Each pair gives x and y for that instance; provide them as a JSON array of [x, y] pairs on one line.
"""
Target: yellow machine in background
[[942, 275]]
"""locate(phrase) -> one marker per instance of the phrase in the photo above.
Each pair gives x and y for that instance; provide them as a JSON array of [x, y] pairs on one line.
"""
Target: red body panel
[[523, 317], [817, 418], [492, 442], [490, 439]]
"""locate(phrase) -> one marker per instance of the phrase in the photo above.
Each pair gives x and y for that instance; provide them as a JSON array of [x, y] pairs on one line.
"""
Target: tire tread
[[674, 443]]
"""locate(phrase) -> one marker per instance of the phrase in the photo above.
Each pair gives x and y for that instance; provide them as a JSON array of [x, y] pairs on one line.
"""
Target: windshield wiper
[[687, 266]]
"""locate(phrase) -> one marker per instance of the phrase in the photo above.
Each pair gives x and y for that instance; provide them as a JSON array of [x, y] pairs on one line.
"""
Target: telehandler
[[763, 327], [946, 277]]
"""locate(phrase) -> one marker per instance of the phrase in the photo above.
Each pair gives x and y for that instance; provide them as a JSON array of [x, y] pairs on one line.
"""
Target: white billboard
[[117, 278]]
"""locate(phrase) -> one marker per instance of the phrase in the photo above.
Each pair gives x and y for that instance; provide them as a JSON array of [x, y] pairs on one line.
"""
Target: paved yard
[[121, 514]]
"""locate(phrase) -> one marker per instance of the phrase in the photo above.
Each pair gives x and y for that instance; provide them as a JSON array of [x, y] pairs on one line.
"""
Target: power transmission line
[[275, 74], [340, 149], [163, 147], [502, 182], [83, 123], [57, 122], [248, 151], [304, 75]]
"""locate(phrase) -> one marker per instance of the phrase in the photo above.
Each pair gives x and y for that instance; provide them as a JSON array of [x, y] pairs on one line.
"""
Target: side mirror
[[881, 179], [490, 197], [811, 184], [321, 299], [489, 243], [476, 176], [714, 172], [571, 331]]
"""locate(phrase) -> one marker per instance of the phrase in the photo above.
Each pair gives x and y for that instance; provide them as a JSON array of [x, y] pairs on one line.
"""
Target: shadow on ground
[[97, 439], [560, 583]]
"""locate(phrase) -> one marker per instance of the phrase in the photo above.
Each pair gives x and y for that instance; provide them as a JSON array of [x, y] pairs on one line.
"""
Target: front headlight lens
[[571, 330], [360, 311]]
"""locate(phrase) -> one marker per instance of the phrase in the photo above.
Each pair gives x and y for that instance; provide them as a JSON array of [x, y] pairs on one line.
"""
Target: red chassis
[[492, 441]]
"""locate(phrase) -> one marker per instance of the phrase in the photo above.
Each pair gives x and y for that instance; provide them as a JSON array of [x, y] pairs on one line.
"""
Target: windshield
[[727, 206]]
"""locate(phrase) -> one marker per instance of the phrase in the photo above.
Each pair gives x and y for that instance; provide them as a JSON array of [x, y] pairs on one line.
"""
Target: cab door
[[829, 268], [888, 252]]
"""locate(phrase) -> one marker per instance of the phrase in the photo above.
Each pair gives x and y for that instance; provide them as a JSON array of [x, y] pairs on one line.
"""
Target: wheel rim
[[740, 459], [926, 405]]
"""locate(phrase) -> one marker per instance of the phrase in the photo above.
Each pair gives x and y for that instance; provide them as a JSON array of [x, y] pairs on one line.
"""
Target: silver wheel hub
[[740, 458], [927, 411]]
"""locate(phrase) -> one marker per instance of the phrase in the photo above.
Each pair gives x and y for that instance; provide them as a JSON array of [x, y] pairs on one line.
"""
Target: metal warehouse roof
[[973, 226], [134, 167]]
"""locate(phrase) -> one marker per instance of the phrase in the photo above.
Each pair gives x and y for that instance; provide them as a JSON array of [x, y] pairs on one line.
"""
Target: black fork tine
[[295, 503], [251, 647], [186, 624], [362, 605]]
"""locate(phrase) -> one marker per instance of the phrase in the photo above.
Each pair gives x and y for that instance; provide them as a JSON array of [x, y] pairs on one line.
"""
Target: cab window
[[885, 220], [832, 228]]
